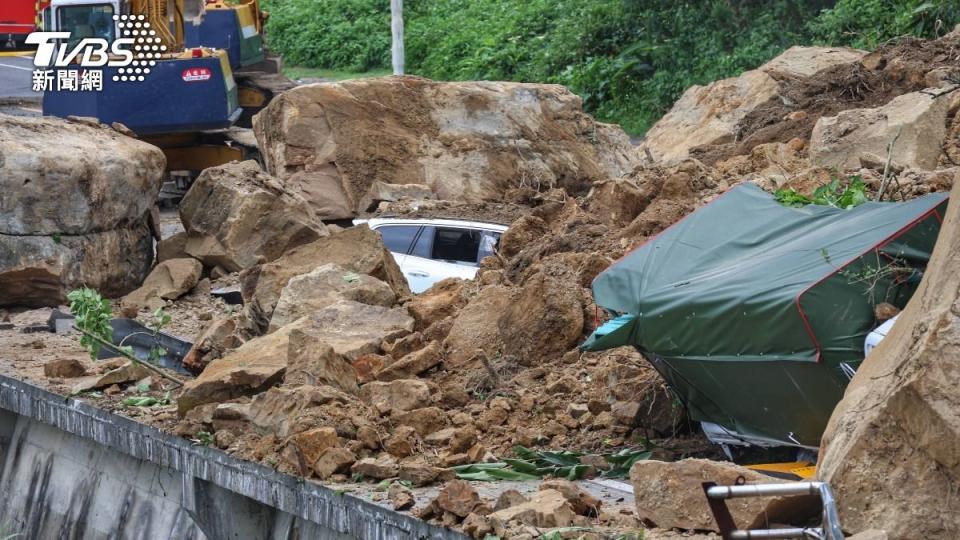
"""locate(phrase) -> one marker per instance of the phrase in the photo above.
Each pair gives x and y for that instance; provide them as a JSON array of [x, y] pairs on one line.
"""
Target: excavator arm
[[168, 18]]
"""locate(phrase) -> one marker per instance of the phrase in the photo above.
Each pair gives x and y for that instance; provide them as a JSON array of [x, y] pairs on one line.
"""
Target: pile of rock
[[556, 505], [333, 317], [235, 217], [334, 370]]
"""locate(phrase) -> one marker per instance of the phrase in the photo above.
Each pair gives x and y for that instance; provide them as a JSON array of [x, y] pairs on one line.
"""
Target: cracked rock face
[[237, 216], [897, 429], [74, 201], [340, 145]]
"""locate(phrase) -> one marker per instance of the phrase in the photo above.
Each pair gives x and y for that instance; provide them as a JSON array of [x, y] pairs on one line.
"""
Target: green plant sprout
[[832, 194], [92, 315]]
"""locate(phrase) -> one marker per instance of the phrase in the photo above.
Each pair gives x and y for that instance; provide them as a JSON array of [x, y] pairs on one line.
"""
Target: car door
[[441, 252], [398, 239]]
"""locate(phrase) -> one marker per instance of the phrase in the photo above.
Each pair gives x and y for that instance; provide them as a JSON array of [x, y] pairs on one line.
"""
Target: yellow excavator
[[237, 27], [171, 95], [183, 96]]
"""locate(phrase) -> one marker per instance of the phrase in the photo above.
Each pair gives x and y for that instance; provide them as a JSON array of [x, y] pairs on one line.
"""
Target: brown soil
[[899, 67], [486, 212]]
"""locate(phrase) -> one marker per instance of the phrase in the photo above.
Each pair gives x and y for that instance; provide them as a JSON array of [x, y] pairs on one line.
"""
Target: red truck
[[18, 18]]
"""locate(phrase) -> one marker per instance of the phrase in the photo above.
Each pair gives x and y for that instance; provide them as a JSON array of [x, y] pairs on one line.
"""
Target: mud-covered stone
[[237, 216]]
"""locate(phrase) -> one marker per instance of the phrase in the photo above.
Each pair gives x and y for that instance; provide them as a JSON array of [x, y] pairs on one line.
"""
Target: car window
[[488, 244], [424, 246], [456, 245], [398, 238]]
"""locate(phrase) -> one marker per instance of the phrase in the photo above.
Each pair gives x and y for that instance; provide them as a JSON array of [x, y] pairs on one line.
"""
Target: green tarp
[[756, 313]]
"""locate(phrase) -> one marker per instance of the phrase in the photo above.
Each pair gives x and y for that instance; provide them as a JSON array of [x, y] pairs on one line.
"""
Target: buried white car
[[720, 435], [429, 250]]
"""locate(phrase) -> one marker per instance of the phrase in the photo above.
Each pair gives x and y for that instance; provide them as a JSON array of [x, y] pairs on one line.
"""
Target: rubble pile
[[556, 504], [75, 209], [333, 370]]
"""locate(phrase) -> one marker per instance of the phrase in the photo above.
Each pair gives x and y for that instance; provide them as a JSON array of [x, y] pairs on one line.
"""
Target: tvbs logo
[[65, 64]]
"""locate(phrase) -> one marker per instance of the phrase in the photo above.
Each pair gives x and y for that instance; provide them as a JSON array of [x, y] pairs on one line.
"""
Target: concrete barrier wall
[[71, 471]]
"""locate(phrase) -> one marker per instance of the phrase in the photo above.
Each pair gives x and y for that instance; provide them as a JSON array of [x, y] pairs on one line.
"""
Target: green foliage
[[352, 35], [533, 465], [148, 401], [92, 314], [203, 438], [834, 194], [160, 320], [868, 23], [629, 60], [384, 485], [491, 472]]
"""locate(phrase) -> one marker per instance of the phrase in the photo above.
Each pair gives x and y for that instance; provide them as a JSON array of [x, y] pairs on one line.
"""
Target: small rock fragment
[[332, 461], [64, 368], [457, 497], [400, 497], [378, 469]]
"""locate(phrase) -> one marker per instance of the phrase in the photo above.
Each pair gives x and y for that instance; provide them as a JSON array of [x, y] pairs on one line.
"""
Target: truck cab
[[18, 18]]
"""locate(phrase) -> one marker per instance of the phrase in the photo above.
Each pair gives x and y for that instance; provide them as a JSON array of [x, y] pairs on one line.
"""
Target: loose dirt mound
[[712, 114], [907, 65]]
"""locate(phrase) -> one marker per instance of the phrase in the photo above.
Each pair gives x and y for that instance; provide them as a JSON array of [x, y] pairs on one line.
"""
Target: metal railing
[[830, 522]]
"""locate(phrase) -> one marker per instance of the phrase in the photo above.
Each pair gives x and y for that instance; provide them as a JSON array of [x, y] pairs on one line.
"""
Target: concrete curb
[[343, 513]]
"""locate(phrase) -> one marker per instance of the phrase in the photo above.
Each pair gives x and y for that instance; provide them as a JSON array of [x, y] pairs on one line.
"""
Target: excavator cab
[[165, 88]]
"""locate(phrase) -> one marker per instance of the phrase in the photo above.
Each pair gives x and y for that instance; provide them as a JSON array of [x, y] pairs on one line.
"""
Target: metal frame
[[717, 495]]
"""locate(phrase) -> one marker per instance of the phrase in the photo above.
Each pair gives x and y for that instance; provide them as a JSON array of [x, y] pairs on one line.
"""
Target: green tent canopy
[[756, 313]]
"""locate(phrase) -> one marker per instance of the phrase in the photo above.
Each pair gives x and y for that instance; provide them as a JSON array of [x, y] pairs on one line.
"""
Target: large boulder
[[249, 369], [237, 216], [38, 271], [917, 120], [477, 326], [354, 329], [325, 285], [349, 329], [169, 280], [544, 320], [284, 411], [357, 249], [469, 141], [706, 115], [63, 178], [74, 204], [891, 451], [670, 494]]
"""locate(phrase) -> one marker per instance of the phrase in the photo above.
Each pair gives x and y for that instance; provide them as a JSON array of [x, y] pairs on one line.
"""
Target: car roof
[[457, 223]]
